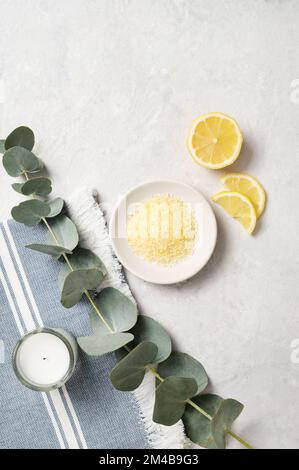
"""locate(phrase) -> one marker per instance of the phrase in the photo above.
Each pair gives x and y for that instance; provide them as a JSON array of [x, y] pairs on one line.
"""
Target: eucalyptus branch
[[88, 296], [150, 369], [140, 343]]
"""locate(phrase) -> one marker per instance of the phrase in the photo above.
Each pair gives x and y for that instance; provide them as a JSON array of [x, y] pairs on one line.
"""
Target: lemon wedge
[[249, 186], [214, 140], [238, 206]]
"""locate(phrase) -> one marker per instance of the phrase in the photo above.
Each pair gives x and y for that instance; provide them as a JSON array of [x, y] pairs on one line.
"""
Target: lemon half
[[238, 206], [215, 140]]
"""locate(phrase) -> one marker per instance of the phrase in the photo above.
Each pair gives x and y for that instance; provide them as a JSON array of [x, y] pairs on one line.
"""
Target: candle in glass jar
[[44, 359]]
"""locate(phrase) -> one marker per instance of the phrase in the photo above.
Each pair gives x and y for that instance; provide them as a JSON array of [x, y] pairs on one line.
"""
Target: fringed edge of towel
[[91, 223]]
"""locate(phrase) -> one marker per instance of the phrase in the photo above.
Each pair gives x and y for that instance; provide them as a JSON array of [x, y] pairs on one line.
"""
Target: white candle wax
[[43, 359]]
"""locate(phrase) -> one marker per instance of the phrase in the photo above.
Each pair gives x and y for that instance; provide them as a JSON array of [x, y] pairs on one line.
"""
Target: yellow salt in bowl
[[162, 229], [153, 240]]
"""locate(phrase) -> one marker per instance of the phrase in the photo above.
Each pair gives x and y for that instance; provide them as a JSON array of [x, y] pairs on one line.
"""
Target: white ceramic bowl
[[150, 271]]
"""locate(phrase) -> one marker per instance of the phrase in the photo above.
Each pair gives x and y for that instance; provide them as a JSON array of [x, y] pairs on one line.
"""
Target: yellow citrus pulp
[[215, 140], [238, 206], [249, 186]]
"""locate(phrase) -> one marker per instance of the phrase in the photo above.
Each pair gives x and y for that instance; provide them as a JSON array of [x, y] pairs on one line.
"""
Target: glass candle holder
[[44, 359]]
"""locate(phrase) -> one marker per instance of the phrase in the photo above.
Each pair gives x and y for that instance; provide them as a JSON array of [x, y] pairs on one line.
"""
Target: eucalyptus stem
[[108, 326], [239, 438], [155, 373], [199, 409], [94, 305]]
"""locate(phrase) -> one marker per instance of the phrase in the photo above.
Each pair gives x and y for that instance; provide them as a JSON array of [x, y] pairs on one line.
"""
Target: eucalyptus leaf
[[19, 160], [211, 433], [18, 187], [171, 397], [30, 212], [102, 340], [97, 345], [183, 365], [147, 329], [82, 258], [56, 206], [65, 232], [22, 137], [128, 374], [77, 282], [228, 412], [52, 250], [39, 186], [117, 309], [2, 146], [197, 426]]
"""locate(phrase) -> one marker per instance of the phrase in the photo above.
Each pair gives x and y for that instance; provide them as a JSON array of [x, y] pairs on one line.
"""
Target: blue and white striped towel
[[88, 412]]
